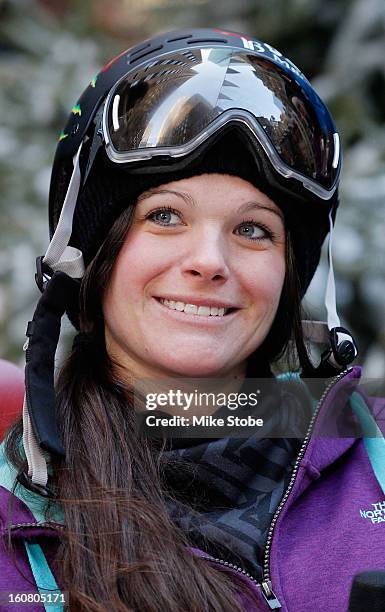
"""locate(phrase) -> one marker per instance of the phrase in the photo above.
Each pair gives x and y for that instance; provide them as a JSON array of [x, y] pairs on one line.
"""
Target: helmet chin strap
[[60, 256], [342, 347], [58, 274]]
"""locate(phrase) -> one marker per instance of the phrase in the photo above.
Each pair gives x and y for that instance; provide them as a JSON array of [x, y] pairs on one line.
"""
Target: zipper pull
[[269, 595]]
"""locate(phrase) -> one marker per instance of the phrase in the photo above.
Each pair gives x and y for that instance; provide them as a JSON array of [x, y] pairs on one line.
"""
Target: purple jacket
[[329, 525]]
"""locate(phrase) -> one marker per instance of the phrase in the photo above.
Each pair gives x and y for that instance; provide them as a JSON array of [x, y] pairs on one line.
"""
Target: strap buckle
[[43, 273], [343, 349], [27, 482]]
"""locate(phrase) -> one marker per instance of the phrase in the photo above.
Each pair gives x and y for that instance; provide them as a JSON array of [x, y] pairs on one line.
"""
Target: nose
[[206, 258]]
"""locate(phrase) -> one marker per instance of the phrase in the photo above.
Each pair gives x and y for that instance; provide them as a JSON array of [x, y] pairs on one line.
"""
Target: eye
[[253, 231], [164, 216]]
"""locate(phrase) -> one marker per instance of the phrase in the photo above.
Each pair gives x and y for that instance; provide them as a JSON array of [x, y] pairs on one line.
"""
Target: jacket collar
[[327, 442], [20, 508]]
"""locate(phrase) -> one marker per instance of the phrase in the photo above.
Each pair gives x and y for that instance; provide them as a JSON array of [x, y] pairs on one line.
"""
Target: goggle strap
[[37, 464], [330, 295], [63, 231]]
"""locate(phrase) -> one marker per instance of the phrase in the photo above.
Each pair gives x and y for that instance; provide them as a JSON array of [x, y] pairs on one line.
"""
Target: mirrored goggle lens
[[169, 102]]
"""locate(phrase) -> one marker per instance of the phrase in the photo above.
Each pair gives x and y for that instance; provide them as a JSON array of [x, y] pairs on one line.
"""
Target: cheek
[[265, 280], [140, 261]]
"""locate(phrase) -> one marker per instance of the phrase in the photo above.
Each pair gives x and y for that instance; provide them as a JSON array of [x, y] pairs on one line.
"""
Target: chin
[[195, 368], [199, 372]]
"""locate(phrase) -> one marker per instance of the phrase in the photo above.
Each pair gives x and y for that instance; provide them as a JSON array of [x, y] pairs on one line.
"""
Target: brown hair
[[120, 550]]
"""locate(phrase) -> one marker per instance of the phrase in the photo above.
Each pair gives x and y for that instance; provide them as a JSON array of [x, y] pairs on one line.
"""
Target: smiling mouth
[[202, 311]]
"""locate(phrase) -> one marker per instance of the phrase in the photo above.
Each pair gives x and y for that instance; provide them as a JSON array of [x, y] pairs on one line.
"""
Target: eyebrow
[[188, 199], [157, 191], [252, 205]]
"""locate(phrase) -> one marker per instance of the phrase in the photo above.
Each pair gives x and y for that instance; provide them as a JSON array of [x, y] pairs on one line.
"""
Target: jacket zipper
[[265, 585], [49, 525]]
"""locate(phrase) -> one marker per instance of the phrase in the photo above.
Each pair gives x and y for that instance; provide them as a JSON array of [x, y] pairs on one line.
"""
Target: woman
[[195, 182]]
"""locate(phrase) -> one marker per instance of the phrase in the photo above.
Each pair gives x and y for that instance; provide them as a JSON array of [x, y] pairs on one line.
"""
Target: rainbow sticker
[[93, 81], [62, 135], [76, 110]]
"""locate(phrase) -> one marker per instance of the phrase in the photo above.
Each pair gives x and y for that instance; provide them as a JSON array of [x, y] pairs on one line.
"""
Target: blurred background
[[51, 49]]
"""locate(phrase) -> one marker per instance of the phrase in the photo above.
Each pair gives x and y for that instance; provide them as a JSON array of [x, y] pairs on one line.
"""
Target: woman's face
[[196, 285]]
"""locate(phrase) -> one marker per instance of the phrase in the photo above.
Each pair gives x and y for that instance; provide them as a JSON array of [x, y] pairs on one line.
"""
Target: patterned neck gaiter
[[224, 492], [235, 486]]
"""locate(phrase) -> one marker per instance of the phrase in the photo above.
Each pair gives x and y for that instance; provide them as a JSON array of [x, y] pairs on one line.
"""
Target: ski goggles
[[171, 105]]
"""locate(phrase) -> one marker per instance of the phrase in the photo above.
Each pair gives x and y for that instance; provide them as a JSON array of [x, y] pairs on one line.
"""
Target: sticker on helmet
[[62, 135], [93, 81], [261, 47], [76, 110]]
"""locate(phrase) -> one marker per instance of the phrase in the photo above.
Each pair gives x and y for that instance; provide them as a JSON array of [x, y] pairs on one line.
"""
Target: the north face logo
[[376, 514]]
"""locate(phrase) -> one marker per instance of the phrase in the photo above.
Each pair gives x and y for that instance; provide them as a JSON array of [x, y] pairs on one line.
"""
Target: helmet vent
[[179, 38], [150, 50], [206, 40], [141, 48]]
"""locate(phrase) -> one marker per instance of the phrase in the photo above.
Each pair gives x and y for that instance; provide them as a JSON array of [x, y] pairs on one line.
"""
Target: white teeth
[[203, 311], [191, 309]]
